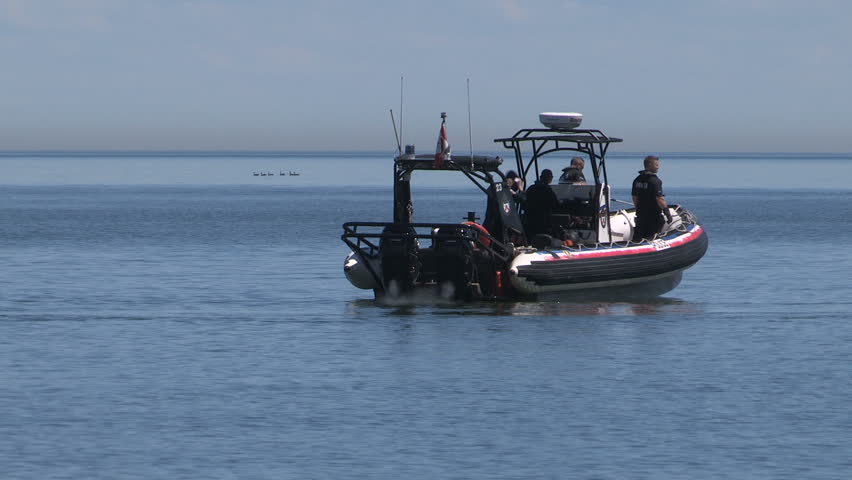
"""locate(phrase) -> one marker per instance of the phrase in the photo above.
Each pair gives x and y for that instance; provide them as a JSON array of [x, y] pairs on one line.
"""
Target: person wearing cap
[[516, 186], [574, 173], [514, 182], [541, 200], [650, 202]]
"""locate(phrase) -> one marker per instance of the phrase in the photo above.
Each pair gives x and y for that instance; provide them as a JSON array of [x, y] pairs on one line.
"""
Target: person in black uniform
[[650, 202], [541, 200], [574, 173], [516, 186]]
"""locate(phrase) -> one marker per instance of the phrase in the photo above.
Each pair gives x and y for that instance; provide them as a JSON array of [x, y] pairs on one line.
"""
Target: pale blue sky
[[716, 75]]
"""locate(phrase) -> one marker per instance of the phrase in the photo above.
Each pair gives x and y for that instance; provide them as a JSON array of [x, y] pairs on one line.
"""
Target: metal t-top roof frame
[[593, 143], [477, 167]]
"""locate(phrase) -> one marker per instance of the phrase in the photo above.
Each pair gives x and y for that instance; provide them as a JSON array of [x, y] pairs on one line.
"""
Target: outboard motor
[[400, 264], [454, 265]]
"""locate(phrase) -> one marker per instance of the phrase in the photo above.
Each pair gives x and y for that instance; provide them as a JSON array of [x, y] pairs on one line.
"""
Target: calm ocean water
[[177, 317]]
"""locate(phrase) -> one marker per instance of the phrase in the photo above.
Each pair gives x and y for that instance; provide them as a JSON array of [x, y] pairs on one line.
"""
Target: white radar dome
[[560, 121]]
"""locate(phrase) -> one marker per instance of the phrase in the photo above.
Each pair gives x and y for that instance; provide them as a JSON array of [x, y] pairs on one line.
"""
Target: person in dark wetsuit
[[650, 202], [574, 173], [541, 200]]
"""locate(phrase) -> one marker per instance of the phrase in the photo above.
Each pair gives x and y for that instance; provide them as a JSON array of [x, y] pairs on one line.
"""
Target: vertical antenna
[[469, 132], [398, 145], [401, 79]]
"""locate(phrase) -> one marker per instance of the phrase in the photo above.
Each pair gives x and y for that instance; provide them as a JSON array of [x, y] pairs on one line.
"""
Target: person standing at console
[[541, 200], [574, 173], [652, 211]]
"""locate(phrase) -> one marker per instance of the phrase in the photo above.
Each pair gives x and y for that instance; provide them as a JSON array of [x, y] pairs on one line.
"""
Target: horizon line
[[277, 152]]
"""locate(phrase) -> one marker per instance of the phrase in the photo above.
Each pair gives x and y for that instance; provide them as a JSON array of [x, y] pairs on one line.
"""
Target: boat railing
[[364, 242], [686, 217]]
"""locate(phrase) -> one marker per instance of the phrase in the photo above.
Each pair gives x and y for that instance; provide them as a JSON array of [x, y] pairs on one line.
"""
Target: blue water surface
[[205, 330]]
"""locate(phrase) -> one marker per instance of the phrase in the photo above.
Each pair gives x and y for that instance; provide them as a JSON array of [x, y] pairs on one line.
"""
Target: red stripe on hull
[[675, 242]]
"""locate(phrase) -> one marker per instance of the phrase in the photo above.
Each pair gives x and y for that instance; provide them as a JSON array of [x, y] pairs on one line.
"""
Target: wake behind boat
[[587, 249]]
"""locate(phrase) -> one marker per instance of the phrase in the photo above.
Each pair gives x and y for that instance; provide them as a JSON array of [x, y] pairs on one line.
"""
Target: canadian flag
[[442, 151]]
